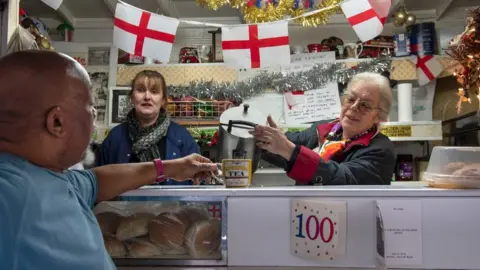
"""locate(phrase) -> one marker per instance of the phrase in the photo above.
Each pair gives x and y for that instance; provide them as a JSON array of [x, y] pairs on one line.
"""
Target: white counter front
[[258, 223]]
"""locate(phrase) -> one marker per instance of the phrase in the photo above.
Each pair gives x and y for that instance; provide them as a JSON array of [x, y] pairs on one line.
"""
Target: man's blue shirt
[[46, 221]]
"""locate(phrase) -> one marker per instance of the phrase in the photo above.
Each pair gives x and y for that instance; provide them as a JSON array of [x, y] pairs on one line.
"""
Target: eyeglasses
[[363, 106]]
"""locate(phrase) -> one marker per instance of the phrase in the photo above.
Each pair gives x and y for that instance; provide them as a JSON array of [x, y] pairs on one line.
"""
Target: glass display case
[[157, 230]]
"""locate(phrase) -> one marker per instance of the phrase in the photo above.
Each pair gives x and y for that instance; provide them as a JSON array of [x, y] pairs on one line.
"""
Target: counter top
[[397, 189]]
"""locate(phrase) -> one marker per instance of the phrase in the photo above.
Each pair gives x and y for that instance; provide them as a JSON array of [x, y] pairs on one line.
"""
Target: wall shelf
[[403, 69]]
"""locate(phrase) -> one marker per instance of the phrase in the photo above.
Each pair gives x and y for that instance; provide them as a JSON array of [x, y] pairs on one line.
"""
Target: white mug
[[355, 47]]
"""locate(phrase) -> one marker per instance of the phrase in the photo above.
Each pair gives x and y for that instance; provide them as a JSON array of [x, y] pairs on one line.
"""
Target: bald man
[[46, 120]]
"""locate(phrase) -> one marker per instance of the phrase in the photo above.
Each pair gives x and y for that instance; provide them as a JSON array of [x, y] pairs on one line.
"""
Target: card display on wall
[[119, 105], [99, 93]]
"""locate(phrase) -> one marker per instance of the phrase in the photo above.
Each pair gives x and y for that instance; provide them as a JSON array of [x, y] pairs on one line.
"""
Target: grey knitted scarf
[[145, 140]]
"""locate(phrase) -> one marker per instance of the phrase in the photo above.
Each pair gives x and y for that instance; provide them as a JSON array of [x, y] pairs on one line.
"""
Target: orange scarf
[[333, 143]]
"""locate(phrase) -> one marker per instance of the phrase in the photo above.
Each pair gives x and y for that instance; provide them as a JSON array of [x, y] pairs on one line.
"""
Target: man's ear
[[55, 122]]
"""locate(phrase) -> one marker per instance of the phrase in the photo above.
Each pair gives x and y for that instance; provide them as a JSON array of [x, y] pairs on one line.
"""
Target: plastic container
[[454, 168]]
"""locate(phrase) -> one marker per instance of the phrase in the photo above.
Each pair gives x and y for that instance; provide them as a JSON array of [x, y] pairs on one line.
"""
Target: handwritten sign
[[397, 131], [318, 229], [305, 61], [322, 104], [402, 224]]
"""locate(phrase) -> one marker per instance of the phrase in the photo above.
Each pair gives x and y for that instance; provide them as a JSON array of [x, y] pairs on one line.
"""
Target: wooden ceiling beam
[[168, 8], [66, 14], [111, 4], [442, 7]]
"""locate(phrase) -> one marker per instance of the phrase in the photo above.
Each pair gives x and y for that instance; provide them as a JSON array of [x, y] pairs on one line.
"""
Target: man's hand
[[194, 166]]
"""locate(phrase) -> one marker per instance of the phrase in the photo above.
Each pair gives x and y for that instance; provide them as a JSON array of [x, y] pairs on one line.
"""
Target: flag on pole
[[256, 45], [367, 17], [55, 4], [142, 33]]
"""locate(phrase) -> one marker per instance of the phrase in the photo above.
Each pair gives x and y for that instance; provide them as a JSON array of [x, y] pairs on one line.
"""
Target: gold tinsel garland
[[271, 12], [318, 18]]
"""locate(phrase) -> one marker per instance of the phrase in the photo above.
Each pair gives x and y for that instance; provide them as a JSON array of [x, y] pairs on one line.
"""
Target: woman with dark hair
[[148, 132]]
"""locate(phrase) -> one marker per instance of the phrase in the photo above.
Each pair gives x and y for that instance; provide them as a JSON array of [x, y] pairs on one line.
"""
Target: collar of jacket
[[324, 129]]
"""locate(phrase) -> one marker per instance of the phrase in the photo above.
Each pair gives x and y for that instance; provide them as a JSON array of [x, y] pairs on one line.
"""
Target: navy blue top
[[117, 147]]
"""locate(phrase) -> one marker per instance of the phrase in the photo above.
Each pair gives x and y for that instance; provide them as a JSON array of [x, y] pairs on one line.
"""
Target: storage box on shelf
[[158, 230]]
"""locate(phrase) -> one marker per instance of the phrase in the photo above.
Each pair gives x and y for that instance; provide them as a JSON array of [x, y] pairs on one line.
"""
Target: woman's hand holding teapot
[[272, 139]]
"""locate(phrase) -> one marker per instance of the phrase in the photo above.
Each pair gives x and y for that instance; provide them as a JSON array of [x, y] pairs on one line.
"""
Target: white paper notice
[[322, 104], [402, 222], [305, 61]]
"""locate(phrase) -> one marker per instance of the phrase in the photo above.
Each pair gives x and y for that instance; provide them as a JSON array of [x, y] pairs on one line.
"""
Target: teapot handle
[[239, 122]]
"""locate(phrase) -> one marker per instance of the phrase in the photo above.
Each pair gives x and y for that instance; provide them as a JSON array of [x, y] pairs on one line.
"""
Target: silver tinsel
[[312, 79]]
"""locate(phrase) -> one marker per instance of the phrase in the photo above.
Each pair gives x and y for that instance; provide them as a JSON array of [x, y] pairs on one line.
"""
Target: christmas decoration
[[331, 7], [278, 82], [465, 48], [258, 11], [411, 19], [39, 31], [265, 11], [402, 17], [399, 18]]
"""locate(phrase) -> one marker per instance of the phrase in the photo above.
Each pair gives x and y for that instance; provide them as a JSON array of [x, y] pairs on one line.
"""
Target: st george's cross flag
[[142, 33], [256, 45], [55, 4], [367, 17], [428, 68]]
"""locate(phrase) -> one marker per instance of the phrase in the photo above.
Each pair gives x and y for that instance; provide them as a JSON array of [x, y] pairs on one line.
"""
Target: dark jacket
[[117, 146], [369, 160]]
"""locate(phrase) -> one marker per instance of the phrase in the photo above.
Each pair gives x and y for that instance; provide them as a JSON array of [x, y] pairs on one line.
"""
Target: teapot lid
[[241, 113]]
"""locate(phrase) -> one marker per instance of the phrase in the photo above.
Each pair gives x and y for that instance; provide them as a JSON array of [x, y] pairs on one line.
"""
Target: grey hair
[[384, 89]]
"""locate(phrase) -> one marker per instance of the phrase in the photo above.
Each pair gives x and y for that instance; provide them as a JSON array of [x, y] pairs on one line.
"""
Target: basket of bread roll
[[454, 168], [159, 231]]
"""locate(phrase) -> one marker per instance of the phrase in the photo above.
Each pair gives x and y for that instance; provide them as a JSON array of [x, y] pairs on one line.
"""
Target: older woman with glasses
[[347, 151]]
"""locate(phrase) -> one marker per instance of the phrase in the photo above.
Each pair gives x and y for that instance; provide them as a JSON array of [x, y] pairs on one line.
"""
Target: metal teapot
[[234, 138]]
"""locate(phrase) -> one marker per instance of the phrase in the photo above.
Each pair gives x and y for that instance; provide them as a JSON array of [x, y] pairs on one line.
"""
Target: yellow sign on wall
[[397, 131]]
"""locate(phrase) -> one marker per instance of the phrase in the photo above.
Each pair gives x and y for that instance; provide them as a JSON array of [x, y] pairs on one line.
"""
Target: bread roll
[[193, 213], [168, 232], [114, 247], [133, 226], [108, 222], [204, 238], [453, 166], [470, 170], [142, 248]]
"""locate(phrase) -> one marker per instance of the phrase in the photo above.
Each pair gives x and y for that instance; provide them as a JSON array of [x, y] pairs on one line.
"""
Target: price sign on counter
[[318, 229], [397, 131]]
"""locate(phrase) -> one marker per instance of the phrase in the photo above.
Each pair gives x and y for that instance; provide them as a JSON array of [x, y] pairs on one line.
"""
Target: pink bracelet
[[160, 171]]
